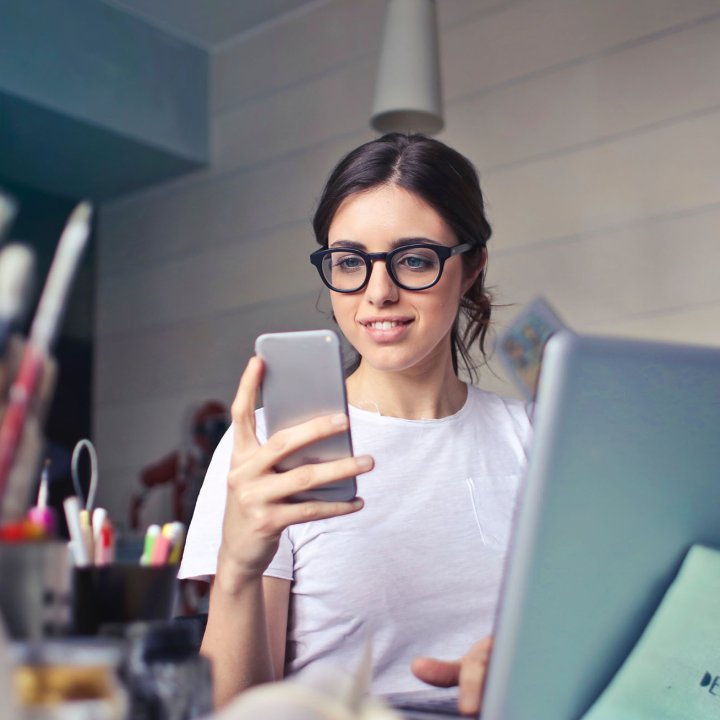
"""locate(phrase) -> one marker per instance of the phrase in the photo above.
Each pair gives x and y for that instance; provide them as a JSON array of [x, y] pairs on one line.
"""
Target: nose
[[380, 290]]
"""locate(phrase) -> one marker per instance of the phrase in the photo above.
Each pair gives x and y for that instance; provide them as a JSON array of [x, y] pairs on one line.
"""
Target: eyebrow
[[400, 242]]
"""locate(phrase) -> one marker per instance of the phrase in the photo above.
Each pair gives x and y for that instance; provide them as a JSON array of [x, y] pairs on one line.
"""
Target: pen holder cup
[[120, 594]]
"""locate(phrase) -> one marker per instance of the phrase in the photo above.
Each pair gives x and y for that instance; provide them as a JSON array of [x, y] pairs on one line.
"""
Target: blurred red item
[[184, 469], [22, 531]]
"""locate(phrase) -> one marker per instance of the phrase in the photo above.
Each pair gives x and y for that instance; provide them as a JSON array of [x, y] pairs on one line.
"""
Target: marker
[[87, 534], [151, 535], [178, 540], [99, 516], [105, 544], [71, 505], [163, 545]]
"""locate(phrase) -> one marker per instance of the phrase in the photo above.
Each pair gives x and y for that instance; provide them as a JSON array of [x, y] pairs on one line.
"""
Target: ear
[[473, 275]]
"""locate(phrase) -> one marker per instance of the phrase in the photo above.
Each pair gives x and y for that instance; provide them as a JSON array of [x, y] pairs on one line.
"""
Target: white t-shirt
[[420, 565]]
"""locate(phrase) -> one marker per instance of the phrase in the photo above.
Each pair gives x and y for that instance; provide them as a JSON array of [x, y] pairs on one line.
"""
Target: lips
[[386, 330]]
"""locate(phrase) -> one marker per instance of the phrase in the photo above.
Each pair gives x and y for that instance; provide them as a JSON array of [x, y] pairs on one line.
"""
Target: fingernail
[[358, 502], [364, 462], [339, 420]]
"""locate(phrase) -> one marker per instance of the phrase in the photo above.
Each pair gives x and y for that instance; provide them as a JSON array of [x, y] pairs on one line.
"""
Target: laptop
[[623, 477]]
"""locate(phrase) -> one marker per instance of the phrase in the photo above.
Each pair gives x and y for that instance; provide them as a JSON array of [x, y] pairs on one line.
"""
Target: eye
[[417, 260], [347, 262]]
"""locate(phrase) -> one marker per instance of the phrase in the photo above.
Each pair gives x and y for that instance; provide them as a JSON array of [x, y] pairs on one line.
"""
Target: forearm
[[236, 638]]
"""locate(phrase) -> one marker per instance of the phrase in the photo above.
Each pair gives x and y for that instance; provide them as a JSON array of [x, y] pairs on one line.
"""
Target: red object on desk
[[21, 531], [22, 392]]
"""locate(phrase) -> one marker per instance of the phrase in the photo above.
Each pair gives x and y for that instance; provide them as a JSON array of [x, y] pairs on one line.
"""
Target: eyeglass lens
[[347, 270]]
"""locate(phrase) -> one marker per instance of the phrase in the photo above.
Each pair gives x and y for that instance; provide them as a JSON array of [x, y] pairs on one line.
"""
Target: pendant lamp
[[407, 92]]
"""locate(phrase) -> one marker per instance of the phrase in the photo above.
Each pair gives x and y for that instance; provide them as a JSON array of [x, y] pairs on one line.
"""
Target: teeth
[[384, 325]]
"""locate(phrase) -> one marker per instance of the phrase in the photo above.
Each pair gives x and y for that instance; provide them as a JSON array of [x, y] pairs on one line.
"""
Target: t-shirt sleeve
[[199, 559], [281, 566], [205, 532]]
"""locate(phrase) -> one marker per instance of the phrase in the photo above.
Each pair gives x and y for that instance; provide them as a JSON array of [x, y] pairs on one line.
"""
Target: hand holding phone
[[303, 379]]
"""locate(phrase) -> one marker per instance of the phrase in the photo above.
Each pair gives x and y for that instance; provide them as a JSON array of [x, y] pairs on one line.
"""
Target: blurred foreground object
[[35, 588], [166, 677], [322, 692], [69, 679], [25, 402], [8, 209], [7, 668]]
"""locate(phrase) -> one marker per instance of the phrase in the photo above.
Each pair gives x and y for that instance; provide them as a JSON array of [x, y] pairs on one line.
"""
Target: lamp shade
[[408, 97]]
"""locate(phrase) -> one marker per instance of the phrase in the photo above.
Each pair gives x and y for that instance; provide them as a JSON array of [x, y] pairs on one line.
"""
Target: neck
[[415, 394]]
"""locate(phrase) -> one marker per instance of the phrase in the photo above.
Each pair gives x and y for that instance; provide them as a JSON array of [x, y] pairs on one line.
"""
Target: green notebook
[[673, 673]]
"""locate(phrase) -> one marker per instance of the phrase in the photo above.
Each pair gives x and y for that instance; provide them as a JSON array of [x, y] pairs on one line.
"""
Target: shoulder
[[509, 414]]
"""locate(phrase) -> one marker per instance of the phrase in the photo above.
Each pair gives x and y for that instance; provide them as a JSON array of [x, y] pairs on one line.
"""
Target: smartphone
[[303, 379]]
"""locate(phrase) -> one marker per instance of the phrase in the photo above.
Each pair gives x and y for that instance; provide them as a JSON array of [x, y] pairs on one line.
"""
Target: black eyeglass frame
[[442, 251]]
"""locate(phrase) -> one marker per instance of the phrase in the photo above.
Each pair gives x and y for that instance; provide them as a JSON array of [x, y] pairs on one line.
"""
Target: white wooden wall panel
[[666, 169], [201, 285], [162, 362], [538, 36], [629, 91], [687, 325], [601, 277], [289, 54], [334, 104], [195, 217]]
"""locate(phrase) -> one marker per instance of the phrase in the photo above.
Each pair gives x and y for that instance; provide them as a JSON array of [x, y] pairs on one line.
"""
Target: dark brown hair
[[445, 180]]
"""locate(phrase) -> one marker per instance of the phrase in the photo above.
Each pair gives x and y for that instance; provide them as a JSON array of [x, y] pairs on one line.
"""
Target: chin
[[391, 359]]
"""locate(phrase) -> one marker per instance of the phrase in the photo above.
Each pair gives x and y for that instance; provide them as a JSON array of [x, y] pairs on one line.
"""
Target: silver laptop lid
[[624, 475]]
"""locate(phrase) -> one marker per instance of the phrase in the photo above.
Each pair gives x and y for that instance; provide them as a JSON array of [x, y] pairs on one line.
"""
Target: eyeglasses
[[411, 267]]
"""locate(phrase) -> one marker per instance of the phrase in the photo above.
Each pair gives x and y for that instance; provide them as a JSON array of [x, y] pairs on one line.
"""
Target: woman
[[418, 561]]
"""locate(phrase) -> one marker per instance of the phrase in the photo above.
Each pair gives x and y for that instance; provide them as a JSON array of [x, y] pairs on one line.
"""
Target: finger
[[243, 409], [440, 673], [287, 441], [472, 677], [293, 514], [309, 477]]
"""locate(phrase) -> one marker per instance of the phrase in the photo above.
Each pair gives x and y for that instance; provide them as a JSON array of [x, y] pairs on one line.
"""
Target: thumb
[[440, 673]]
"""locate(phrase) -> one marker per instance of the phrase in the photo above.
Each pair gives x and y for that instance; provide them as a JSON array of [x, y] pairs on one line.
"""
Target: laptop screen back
[[623, 477]]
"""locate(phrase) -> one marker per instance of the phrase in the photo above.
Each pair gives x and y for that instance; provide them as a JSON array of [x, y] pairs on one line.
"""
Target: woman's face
[[391, 328]]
